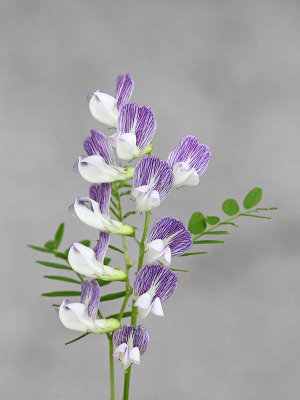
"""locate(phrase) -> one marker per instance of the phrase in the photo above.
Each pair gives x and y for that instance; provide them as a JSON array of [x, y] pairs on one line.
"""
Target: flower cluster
[[152, 180]]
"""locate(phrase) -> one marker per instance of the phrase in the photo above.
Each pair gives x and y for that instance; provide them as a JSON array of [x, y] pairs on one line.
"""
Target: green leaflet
[[123, 184], [197, 223], [125, 315], [103, 283], [128, 214], [106, 260], [252, 198], [85, 242], [64, 293], [54, 265], [211, 220], [50, 245], [230, 207], [62, 278], [116, 249], [125, 193], [193, 254], [180, 270], [42, 249], [78, 338], [59, 235], [112, 296], [254, 216]]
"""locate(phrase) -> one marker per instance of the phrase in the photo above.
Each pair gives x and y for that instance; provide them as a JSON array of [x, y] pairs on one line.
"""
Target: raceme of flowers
[[152, 180]]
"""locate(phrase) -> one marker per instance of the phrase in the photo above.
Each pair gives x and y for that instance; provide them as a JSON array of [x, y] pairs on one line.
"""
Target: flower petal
[[188, 155], [136, 336], [173, 233], [98, 143], [101, 194], [157, 308], [72, 316], [134, 355], [155, 174], [155, 278], [103, 108], [90, 296], [124, 89]]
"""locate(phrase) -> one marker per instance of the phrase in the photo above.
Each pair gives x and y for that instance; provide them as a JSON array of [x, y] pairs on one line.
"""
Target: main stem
[[111, 369], [134, 309]]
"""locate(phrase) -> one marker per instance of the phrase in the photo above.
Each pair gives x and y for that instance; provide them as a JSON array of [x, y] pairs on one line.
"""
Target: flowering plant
[[148, 183]]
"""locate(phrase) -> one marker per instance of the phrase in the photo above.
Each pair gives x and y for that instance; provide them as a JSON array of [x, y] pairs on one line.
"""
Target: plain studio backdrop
[[226, 71]]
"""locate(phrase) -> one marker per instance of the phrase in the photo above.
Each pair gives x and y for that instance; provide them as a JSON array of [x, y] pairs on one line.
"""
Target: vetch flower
[[136, 128], [82, 317], [168, 237], [90, 263], [100, 166], [152, 181], [153, 285], [105, 108], [131, 342], [188, 161], [94, 211]]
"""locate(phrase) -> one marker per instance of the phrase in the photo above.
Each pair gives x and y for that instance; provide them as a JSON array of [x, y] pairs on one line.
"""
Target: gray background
[[226, 71]]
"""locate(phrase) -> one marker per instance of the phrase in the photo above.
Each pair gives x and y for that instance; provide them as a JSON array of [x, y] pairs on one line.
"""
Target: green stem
[[111, 369], [230, 219], [134, 309]]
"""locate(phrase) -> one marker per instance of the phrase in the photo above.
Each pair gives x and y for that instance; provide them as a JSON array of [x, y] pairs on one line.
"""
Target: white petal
[[93, 218], [157, 308], [184, 175], [103, 108], [167, 256], [134, 355], [72, 316], [82, 259], [94, 169], [144, 301], [126, 146], [146, 198], [154, 251], [120, 350], [143, 313]]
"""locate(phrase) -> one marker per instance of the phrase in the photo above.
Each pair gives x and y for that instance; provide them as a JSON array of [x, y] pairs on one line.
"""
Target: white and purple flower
[[130, 343], [82, 317], [136, 128], [152, 181], [153, 285], [90, 263], [94, 211], [189, 160], [100, 166], [104, 107], [168, 237]]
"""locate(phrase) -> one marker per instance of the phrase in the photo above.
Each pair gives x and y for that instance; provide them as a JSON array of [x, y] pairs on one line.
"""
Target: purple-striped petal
[[153, 282], [98, 143], [102, 246], [152, 181], [124, 89], [90, 297], [139, 120], [101, 194], [189, 160], [167, 235], [136, 336]]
